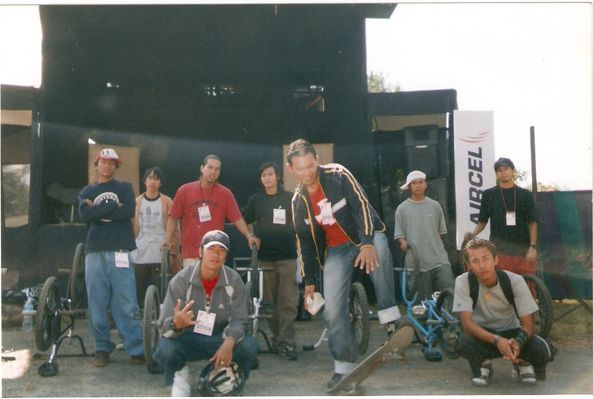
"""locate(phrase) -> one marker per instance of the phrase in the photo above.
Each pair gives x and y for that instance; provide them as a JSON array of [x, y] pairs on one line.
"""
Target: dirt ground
[[570, 373]]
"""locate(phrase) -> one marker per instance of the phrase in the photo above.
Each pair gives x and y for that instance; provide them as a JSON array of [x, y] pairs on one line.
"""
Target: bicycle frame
[[430, 328]]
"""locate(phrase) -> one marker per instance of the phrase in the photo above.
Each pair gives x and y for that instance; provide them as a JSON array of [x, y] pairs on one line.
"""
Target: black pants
[[536, 351], [146, 274]]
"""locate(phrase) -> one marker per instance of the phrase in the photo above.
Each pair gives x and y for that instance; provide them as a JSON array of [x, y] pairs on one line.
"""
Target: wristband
[[496, 339], [522, 337], [534, 246], [172, 326]]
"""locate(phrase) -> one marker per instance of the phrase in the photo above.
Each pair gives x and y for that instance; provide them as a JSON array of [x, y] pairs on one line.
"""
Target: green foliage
[[377, 83], [522, 179]]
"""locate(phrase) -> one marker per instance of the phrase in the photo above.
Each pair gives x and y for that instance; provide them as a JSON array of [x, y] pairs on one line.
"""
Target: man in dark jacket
[[338, 229], [107, 207]]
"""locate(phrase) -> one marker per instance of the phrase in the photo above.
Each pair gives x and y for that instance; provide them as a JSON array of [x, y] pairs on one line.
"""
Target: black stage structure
[[179, 82]]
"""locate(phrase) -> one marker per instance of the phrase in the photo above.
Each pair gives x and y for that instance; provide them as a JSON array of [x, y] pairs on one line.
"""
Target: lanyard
[[205, 202], [208, 302], [514, 199]]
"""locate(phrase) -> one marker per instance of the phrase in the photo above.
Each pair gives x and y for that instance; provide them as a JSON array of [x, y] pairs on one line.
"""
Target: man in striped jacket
[[337, 230]]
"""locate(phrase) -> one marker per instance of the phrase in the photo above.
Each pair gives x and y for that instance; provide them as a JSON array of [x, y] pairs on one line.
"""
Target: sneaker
[[181, 387], [526, 373], [101, 359], [337, 377], [486, 372], [288, 352], [138, 359]]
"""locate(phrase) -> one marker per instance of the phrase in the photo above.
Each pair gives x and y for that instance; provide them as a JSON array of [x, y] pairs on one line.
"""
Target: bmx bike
[[358, 315], [56, 315], [254, 295], [153, 299], [432, 318]]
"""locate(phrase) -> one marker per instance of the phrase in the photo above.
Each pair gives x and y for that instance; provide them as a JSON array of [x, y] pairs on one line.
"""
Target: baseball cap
[[503, 162], [215, 237], [108, 153], [415, 174]]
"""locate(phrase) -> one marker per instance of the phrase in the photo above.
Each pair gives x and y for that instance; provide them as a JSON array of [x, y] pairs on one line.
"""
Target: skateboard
[[401, 339]]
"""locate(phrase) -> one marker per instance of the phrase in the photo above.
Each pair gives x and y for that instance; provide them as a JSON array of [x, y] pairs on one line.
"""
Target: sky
[[531, 64]]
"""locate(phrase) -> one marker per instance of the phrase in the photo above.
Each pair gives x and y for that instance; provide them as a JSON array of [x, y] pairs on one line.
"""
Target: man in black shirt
[[269, 215], [513, 221]]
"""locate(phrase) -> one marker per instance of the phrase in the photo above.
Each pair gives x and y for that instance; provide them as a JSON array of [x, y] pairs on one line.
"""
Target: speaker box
[[426, 150], [423, 157]]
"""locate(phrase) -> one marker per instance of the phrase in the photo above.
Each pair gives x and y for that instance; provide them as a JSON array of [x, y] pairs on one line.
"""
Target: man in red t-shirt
[[337, 230], [202, 206]]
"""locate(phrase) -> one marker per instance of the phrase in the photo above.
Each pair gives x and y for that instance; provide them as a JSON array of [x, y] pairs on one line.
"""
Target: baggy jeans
[[112, 287], [337, 276]]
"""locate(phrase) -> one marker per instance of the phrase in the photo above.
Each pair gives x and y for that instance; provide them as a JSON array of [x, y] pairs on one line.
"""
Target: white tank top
[[151, 232]]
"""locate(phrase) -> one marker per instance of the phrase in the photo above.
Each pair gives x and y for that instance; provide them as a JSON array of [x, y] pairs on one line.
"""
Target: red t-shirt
[[209, 285], [334, 236], [188, 199]]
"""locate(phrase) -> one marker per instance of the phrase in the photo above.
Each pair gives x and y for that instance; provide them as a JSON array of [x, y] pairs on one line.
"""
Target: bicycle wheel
[[76, 285], [150, 317], [164, 273], [47, 318], [449, 334], [359, 316], [543, 318]]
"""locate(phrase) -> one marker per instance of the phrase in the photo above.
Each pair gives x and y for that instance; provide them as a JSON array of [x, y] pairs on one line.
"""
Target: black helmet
[[224, 381]]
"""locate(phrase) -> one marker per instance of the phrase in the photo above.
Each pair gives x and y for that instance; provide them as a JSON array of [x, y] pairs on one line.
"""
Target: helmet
[[224, 381]]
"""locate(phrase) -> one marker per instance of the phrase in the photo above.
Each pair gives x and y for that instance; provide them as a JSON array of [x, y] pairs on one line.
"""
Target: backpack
[[503, 280]]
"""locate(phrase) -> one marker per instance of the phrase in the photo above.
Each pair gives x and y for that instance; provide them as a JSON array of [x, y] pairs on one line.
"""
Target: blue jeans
[[173, 353], [109, 286], [337, 276]]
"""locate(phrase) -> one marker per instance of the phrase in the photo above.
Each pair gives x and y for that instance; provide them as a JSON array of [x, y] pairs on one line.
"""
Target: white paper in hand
[[313, 305]]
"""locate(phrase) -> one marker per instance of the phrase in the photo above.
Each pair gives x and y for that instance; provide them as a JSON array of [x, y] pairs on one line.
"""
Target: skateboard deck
[[401, 339]]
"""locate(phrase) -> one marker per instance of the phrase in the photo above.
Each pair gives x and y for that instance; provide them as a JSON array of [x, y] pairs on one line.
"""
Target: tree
[[377, 83], [523, 179]]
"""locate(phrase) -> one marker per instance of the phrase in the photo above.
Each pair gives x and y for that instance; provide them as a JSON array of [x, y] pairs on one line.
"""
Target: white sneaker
[[485, 377], [181, 387], [526, 373]]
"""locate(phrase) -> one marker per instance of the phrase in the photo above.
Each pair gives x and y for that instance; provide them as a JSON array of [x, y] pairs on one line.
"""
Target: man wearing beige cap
[[420, 224]]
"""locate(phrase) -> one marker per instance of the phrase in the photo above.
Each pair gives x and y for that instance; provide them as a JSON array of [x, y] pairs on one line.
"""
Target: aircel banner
[[474, 173]]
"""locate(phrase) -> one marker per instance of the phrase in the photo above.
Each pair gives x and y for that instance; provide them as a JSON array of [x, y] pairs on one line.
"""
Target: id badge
[[122, 260], [279, 216], [204, 213], [205, 323], [511, 218], [326, 213]]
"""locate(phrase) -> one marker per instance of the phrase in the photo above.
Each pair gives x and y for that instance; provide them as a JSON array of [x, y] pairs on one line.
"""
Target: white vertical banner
[[474, 163]]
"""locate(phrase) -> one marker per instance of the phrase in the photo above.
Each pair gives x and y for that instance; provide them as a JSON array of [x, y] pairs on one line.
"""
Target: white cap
[[108, 153], [413, 175]]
